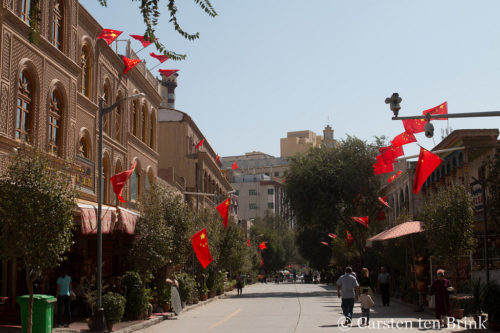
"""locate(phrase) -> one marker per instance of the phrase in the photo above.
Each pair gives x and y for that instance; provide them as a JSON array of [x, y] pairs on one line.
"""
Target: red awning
[[88, 215], [127, 220], [402, 229]]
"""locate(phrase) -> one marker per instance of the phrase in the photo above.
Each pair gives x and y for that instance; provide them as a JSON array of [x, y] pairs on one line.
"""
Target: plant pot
[[109, 325], [165, 307], [211, 294], [458, 313], [195, 300], [219, 292], [204, 297]]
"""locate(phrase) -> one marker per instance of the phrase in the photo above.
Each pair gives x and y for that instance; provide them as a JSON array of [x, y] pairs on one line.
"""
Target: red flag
[[414, 125], [262, 246], [145, 42], [440, 109], [403, 139], [234, 166], [129, 64], [217, 158], [427, 163], [201, 249], [381, 167], [200, 144], [223, 209], [390, 153], [261, 262], [248, 242], [381, 215], [167, 72], [160, 57], [118, 181], [109, 35], [349, 239], [325, 244], [363, 220], [333, 236], [383, 201], [391, 178]]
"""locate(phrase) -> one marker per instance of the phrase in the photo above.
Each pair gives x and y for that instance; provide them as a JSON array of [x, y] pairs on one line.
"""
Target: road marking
[[225, 319]]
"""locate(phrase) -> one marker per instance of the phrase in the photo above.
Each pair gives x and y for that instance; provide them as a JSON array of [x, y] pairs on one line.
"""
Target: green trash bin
[[43, 312]]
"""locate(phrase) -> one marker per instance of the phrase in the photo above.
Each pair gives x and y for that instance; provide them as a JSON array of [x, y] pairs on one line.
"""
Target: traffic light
[[394, 102]]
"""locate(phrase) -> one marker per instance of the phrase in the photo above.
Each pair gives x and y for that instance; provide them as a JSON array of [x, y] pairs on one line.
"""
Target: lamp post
[[99, 321]]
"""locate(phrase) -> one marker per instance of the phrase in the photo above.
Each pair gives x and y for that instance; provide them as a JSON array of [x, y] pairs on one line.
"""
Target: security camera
[[429, 130]]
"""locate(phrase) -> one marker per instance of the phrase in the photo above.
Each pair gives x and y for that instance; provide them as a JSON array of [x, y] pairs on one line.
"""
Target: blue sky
[[265, 67]]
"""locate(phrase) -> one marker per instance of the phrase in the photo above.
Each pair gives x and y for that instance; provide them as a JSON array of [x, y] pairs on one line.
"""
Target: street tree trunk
[[30, 302]]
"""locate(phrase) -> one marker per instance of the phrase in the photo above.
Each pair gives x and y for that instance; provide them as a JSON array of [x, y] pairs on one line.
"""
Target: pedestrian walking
[[384, 280], [366, 304], [365, 282], [441, 289], [239, 284], [348, 290], [63, 294]]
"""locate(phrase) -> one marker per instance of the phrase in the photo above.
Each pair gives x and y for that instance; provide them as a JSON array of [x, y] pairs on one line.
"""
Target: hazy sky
[[265, 67]]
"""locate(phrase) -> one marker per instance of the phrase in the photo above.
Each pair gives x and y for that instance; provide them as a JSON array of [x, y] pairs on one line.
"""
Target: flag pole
[[155, 66]]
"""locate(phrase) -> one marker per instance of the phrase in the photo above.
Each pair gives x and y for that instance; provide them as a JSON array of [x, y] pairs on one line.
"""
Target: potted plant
[[204, 292], [114, 308], [490, 302], [164, 295], [457, 306]]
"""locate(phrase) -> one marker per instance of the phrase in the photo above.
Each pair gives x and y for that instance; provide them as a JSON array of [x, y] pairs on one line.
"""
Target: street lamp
[[99, 321]]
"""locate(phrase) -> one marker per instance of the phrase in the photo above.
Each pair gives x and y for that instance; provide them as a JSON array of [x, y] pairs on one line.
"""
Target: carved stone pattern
[[74, 6], [74, 53], [71, 148], [4, 109], [73, 100], [6, 56], [8, 4]]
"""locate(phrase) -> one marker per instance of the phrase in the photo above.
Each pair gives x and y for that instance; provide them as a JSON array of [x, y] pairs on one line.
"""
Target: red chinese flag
[[363, 220], [381, 167], [398, 173], [234, 166], [262, 246], [383, 201], [160, 57], [440, 109], [332, 236], [390, 153], [248, 242], [201, 249], [261, 262], [144, 41], [403, 139], [427, 163], [200, 144], [167, 72], [414, 125], [349, 239], [223, 209], [381, 215], [325, 244], [109, 35], [118, 181], [391, 178], [217, 158], [129, 64]]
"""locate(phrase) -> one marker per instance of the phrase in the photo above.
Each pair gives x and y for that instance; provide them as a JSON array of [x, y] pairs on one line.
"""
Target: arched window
[[135, 185], [86, 65], [25, 10], [135, 111], [149, 181], [117, 131], [84, 149], [56, 108], [144, 124], [57, 24], [25, 95], [152, 135], [107, 100]]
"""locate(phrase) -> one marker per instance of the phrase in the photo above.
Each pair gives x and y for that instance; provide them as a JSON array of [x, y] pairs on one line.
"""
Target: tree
[[493, 187], [36, 219], [326, 186], [449, 223]]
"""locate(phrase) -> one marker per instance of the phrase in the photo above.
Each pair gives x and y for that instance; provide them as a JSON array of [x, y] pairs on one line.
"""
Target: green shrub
[[187, 285], [114, 307], [137, 296]]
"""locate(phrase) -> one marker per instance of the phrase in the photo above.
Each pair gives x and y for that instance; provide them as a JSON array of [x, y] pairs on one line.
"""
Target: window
[[117, 131], [55, 120], [25, 10], [135, 111], [270, 205], [57, 24], [152, 129], [252, 206], [276, 174], [105, 119], [252, 192], [270, 191], [24, 107], [85, 63], [133, 185], [144, 124], [84, 148]]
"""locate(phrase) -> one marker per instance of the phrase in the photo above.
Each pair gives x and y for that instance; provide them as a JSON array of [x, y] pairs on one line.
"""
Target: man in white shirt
[[348, 289]]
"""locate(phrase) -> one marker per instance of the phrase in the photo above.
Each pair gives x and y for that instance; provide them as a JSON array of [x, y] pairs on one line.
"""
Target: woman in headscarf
[[441, 289]]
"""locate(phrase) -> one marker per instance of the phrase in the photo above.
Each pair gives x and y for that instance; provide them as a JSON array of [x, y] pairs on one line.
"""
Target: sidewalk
[[122, 327]]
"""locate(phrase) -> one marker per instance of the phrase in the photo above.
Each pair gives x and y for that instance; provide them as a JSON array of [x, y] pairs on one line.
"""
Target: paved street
[[287, 308]]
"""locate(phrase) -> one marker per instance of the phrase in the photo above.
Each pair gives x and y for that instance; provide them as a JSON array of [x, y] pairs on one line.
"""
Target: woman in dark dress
[[441, 289], [365, 282]]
